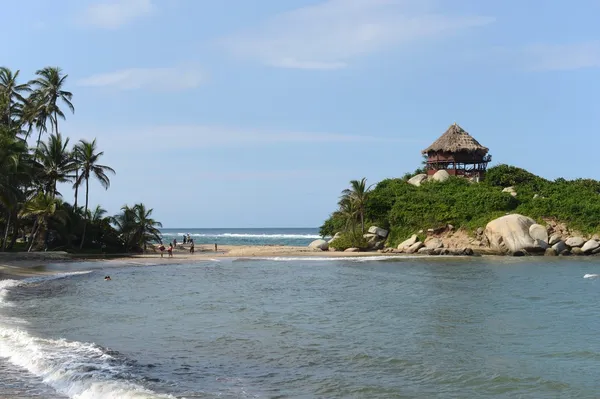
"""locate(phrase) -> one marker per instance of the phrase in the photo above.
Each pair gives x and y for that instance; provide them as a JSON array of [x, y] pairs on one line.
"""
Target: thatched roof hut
[[455, 140]]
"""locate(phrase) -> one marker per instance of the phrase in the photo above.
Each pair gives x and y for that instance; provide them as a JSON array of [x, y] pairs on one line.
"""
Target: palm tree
[[358, 193], [88, 158], [11, 91], [136, 227], [42, 207], [349, 213], [56, 163], [48, 89]]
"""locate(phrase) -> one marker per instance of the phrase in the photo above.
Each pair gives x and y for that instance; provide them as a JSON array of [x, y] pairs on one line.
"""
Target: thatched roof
[[456, 139]]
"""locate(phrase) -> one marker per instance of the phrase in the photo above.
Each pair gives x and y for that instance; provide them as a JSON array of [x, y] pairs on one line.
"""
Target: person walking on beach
[[191, 246], [174, 242], [162, 250], [170, 251], [215, 247]]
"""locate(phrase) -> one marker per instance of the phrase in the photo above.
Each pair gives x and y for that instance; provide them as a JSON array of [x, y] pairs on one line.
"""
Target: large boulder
[[440, 175], [352, 250], [538, 232], [434, 243], [590, 246], [415, 247], [575, 242], [383, 233], [319, 244], [418, 179], [406, 244], [510, 234]]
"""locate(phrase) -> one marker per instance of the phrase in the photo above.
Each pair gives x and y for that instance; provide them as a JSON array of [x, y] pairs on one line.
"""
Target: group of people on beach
[[173, 245]]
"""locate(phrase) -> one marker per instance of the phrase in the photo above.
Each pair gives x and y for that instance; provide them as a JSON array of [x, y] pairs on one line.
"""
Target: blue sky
[[238, 113]]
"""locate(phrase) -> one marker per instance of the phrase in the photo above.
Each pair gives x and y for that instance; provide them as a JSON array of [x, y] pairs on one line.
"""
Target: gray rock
[[352, 250], [440, 176], [426, 251], [550, 252], [566, 252], [589, 246], [406, 244], [383, 233], [596, 251], [575, 242], [554, 238], [415, 247], [559, 246], [538, 232], [418, 179], [319, 244]]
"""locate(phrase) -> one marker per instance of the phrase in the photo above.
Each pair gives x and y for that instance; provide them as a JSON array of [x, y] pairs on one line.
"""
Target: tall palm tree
[[12, 92], [88, 158], [349, 213], [358, 193], [56, 163], [48, 90]]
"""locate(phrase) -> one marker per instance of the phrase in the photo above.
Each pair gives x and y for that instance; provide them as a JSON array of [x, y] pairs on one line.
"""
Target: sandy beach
[[22, 265]]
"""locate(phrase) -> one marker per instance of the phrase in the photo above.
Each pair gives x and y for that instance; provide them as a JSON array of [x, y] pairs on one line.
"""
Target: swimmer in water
[[106, 278]]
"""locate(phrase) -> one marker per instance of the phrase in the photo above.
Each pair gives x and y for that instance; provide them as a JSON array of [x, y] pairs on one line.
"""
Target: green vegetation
[[33, 213], [405, 209]]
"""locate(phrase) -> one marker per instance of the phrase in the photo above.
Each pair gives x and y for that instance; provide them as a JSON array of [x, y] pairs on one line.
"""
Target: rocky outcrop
[[510, 234], [554, 238], [440, 176], [352, 250], [418, 179], [319, 244]]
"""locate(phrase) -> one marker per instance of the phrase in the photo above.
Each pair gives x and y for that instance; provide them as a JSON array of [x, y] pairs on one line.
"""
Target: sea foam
[[591, 275], [75, 369]]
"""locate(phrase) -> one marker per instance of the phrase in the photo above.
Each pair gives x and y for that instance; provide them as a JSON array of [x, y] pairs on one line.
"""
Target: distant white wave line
[[243, 235], [591, 275]]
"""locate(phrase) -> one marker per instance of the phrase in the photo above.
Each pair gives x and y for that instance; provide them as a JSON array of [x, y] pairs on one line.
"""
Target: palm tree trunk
[[87, 193], [34, 231], [362, 221], [8, 220], [76, 188], [15, 232]]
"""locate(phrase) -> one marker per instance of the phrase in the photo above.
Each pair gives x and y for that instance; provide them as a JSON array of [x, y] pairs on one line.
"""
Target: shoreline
[[21, 265]]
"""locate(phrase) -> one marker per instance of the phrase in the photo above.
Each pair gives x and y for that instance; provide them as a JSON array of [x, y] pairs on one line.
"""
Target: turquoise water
[[276, 236], [305, 328]]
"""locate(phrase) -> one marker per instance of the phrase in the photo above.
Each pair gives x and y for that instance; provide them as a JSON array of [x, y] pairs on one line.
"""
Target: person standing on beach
[[215, 247], [170, 250], [191, 246], [162, 249]]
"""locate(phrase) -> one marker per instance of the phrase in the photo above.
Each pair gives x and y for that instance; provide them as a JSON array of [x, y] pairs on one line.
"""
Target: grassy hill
[[405, 209]]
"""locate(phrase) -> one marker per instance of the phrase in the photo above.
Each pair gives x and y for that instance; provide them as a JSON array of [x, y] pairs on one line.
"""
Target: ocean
[[305, 328], [274, 236]]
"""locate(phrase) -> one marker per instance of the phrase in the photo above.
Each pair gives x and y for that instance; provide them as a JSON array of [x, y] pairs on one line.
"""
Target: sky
[[238, 113]]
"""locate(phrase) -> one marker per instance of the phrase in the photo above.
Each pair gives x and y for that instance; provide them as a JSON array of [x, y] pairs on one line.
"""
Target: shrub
[[350, 239]]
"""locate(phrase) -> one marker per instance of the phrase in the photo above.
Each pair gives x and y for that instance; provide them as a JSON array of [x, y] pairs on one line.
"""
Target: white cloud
[[157, 79], [178, 137], [115, 13], [561, 57], [330, 34]]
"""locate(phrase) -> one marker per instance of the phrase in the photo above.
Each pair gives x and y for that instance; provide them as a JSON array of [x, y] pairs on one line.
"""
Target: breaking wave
[[76, 369]]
